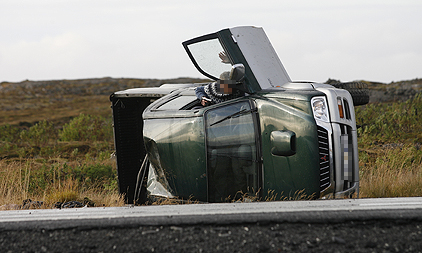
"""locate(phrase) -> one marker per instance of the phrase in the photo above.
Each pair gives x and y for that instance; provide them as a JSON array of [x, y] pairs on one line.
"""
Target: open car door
[[214, 55]]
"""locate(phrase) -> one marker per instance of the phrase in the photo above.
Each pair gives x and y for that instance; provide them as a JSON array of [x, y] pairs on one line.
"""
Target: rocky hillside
[[379, 92], [394, 91], [389, 92]]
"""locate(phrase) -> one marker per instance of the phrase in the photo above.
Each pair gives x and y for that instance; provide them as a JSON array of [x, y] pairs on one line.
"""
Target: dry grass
[[13, 186], [240, 198], [20, 180], [395, 172], [155, 200], [297, 195], [389, 182]]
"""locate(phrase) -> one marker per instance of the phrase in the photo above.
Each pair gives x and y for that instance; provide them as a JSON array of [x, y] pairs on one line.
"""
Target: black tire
[[358, 90]]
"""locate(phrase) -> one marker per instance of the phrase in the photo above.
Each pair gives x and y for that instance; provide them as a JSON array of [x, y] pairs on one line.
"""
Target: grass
[[58, 149], [390, 178], [52, 164], [390, 148]]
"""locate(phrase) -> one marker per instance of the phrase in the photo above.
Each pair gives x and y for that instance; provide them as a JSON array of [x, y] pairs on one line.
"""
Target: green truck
[[279, 139]]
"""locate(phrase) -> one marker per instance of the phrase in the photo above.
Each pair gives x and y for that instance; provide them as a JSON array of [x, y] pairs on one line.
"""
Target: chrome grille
[[324, 159]]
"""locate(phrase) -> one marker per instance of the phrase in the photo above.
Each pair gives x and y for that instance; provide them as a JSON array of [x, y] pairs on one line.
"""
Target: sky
[[378, 40]]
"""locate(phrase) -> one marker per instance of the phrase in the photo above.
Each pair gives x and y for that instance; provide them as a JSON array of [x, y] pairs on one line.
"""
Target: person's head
[[226, 86]]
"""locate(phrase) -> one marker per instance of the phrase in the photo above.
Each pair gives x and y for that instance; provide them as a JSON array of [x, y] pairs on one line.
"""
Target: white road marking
[[392, 204]]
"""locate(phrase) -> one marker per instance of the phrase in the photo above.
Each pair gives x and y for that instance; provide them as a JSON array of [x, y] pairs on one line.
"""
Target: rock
[[72, 204], [29, 204]]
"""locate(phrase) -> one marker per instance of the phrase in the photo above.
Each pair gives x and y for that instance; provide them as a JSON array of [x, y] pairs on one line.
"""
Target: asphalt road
[[358, 225]]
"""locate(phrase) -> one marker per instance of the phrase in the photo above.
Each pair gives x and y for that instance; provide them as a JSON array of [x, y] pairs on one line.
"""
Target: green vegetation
[[56, 142], [53, 164], [85, 135], [390, 148], [86, 128]]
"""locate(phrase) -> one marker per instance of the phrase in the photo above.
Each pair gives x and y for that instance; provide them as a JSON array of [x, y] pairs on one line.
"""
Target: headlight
[[320, 109]]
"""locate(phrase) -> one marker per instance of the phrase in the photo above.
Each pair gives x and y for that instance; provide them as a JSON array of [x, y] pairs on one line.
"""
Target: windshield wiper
[[233, 115]]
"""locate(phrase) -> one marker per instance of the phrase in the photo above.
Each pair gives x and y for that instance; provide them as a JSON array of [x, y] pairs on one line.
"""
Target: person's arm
[[202, 96], [200, 92]]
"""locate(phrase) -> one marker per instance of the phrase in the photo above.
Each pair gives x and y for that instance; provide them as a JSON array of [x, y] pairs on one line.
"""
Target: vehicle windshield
[[210, 58]]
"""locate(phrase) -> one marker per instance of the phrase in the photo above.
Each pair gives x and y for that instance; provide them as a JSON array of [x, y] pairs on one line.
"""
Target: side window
[[232, 165]]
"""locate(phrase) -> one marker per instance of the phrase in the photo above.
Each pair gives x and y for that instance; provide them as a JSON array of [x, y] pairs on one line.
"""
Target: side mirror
[[237, 73], [283, 143]]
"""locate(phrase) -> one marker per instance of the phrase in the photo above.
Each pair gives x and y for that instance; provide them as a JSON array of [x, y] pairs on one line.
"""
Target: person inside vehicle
[[217, 92], [223, 89]]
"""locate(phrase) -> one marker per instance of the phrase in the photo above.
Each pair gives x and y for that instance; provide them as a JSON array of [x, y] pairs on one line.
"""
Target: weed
[[39, 134], [86, 128], [390, 122], [9, 134]]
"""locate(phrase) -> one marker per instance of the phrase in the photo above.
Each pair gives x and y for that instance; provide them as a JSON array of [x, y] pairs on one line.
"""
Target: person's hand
[[223, 57], [205, 102]]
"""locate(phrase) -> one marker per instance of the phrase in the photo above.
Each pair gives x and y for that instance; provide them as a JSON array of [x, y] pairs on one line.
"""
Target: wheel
[[358, 90]]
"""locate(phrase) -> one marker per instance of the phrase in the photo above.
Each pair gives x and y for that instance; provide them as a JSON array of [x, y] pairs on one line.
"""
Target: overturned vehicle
[[279, 138]]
